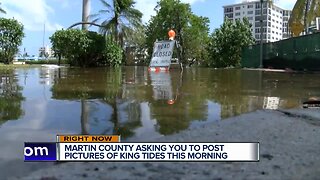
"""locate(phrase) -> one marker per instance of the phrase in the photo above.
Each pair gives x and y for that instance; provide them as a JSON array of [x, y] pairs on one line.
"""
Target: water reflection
[[140, 105], [134, 103], [161, 85], [10, 96]]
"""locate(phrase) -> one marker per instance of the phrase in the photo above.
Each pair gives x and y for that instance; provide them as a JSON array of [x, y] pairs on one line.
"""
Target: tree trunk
[[85, 13]]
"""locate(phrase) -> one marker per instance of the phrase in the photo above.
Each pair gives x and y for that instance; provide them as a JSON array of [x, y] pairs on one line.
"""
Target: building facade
[[46, 52], [275, 19]]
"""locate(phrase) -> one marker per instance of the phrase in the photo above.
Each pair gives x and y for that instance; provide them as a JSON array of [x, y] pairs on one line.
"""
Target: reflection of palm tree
[[84, 117], [123, 21]]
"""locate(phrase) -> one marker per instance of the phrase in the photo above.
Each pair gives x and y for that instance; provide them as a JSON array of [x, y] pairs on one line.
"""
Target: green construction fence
[[299, 53]]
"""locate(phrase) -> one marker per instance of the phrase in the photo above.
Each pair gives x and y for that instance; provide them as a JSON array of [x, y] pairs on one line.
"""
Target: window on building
[[265, 30], [272, 32], [269, 11], [265, 11], [269, 24], [250, 12], [257, 30], [269, 18], [269, 36], [250, 18], [237, 8], [264, 36], [258, 5], [269, 30], [228, 9], [257, 36], [229, 15], [237, 14], [276, 33], [276, 38], [250, 6], [258, 12]]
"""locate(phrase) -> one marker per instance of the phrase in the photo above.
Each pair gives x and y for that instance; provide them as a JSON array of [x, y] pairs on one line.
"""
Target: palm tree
[[303, 13], [1, 10], [85, 13], [124, 20]]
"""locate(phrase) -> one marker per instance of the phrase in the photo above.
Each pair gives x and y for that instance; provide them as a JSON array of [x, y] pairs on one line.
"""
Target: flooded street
[[36, 104]]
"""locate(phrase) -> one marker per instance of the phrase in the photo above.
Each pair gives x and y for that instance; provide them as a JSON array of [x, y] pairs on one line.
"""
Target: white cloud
[[192, 1], [32, 14], [285, 4], [147, 7]]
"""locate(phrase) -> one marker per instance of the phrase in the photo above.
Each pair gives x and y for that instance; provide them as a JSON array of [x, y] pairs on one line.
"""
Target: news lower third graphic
[[34, 151], [109, 148]]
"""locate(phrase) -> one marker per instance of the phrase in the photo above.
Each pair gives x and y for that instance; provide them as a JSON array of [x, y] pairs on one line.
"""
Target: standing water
[[36, 104]]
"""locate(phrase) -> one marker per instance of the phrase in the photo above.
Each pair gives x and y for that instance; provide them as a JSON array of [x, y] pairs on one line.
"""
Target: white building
[[46, 51], [275, 19]]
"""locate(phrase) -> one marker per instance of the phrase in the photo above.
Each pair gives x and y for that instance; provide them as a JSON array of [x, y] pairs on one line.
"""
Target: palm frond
[[2, 11], [105, 3]]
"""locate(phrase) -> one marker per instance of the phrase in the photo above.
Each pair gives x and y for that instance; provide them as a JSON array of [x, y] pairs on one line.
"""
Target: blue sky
[[58, 14]]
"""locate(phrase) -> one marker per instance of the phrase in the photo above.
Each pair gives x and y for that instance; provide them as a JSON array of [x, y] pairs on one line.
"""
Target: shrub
[[11, 34], [85, 48]]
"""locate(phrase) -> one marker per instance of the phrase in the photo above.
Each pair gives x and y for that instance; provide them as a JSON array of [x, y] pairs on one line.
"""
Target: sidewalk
[[289, 149]]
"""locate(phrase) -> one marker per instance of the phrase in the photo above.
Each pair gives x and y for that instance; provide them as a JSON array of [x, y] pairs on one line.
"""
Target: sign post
[[162, 54]]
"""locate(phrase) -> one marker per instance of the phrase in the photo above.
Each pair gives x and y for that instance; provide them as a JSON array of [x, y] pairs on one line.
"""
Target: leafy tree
[[85, 48], [11, 34], [125, 19], [197, 38], [112, 55], [190, 29], [226, 43]]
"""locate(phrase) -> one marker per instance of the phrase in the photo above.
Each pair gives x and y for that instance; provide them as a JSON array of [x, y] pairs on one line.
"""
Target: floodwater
[[36, 104]]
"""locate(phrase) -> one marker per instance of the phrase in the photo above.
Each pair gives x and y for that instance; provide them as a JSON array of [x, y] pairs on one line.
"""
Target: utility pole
[[85, 13], [261, 34]]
